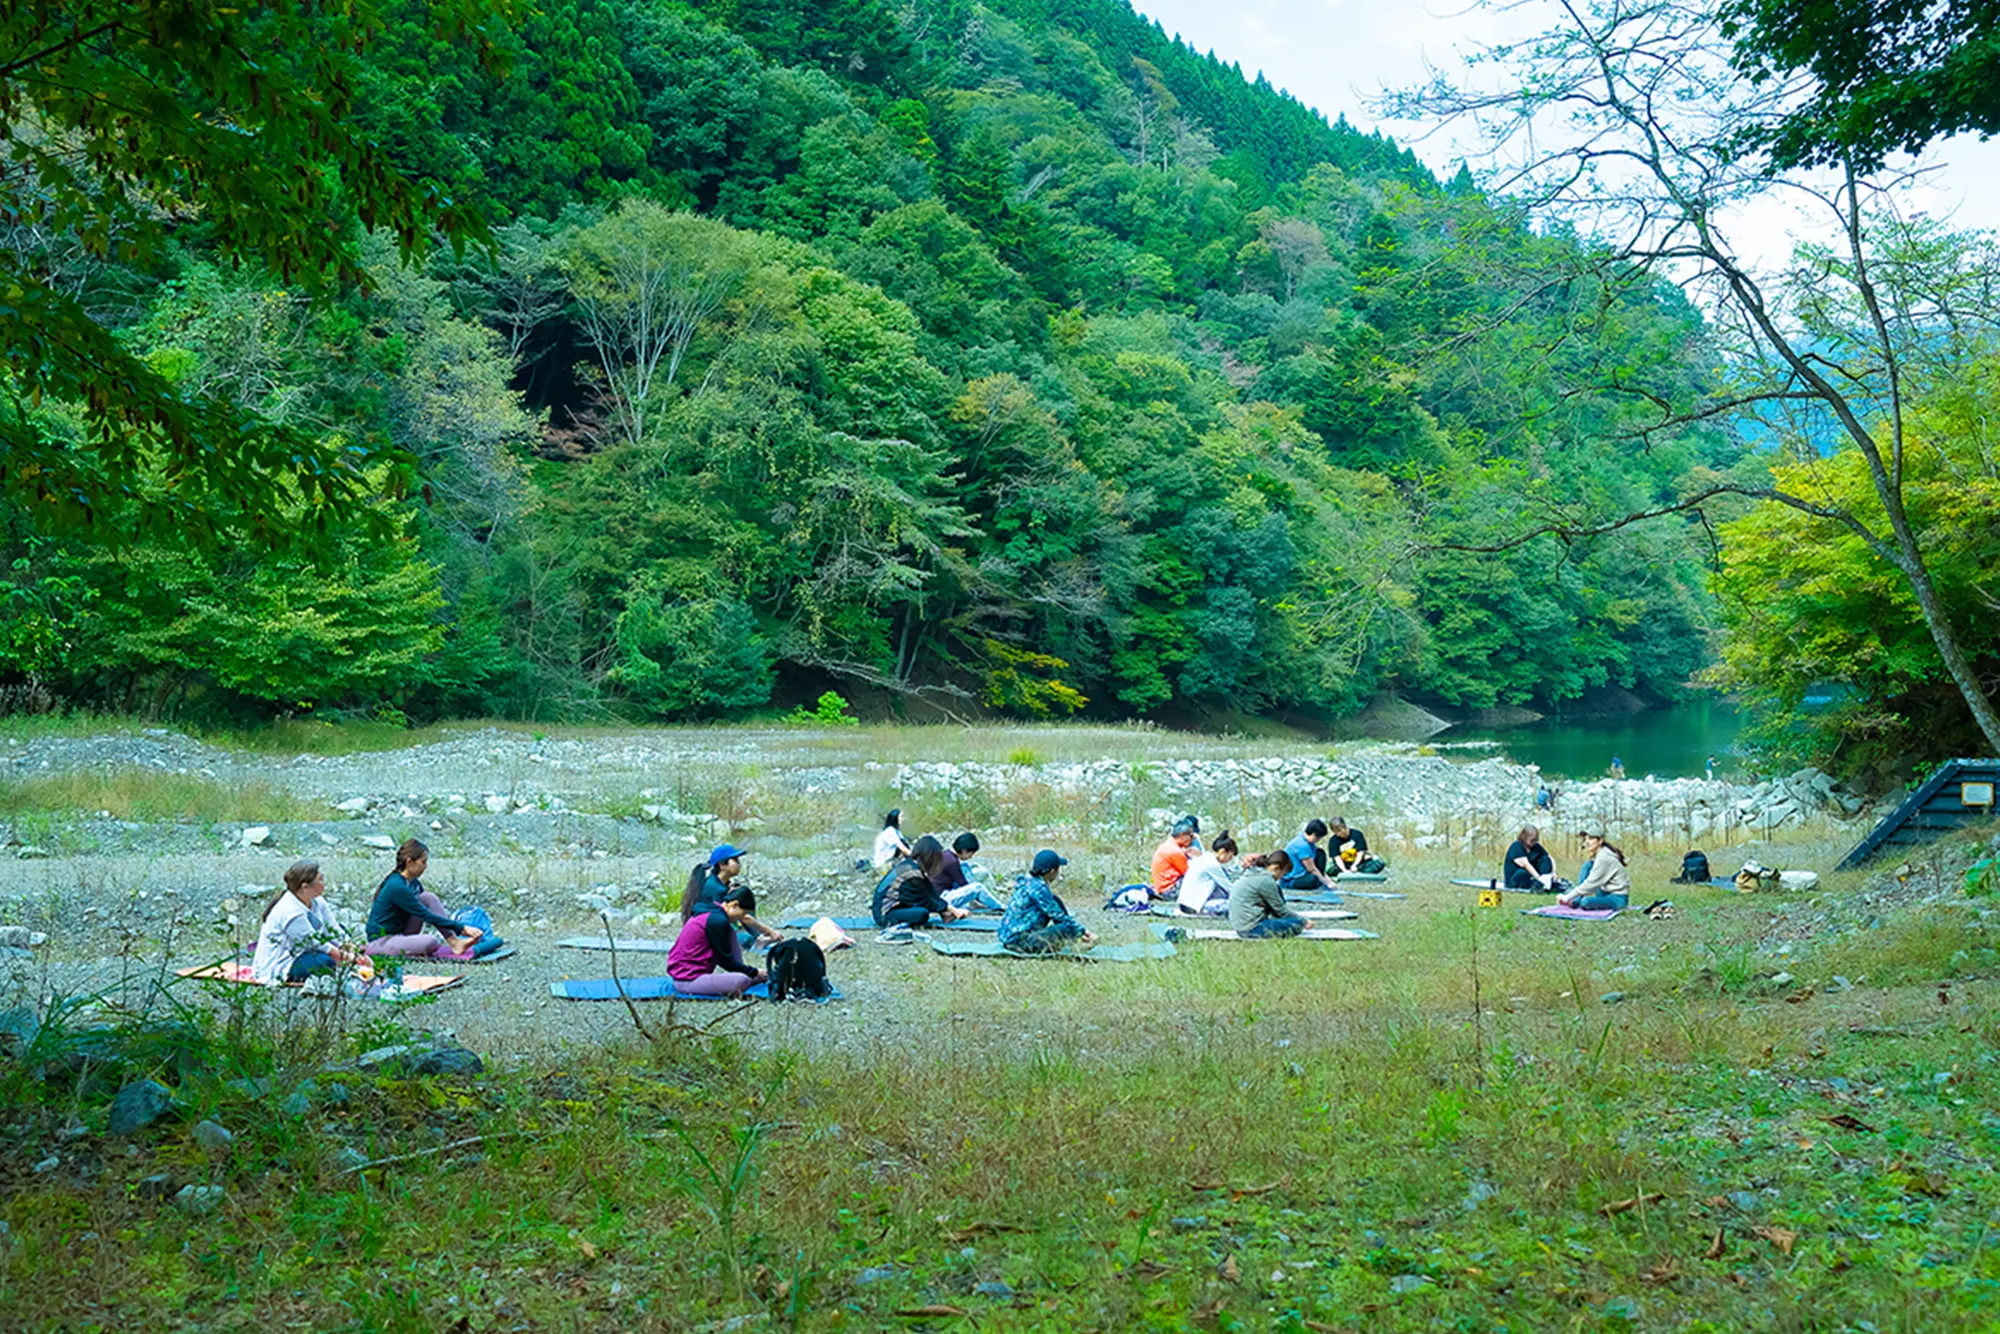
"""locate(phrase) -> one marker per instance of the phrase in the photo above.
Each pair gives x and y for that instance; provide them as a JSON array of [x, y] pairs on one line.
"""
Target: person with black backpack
[[798, 970]]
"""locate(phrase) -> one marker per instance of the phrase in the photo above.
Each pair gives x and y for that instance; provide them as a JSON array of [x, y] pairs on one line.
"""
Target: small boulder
[[20, 938], [200, 1200], [497, 805], [137, 1106], [32, 854], [1611, 998], [384, 1058], [450, 1061], [256, 836], [381, 841], [354, 805], [214, 1138], [158, 1187]]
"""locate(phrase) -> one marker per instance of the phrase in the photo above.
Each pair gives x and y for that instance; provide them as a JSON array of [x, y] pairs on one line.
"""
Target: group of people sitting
[[1602, 882], [301, 936], [1211, 882]]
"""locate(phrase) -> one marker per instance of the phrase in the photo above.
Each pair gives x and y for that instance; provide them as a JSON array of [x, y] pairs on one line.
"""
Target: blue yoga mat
[[868, 924], [656, 988]]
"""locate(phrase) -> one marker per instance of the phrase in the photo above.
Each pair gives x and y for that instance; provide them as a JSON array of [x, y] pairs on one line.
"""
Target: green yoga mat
[[987, 924], [990, 949], [1223, 933]]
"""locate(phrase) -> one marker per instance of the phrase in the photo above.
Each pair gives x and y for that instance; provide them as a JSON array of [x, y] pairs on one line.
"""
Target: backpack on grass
[[1694, 869], [798, 970]]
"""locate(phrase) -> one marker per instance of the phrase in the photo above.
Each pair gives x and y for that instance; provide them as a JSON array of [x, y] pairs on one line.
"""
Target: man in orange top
[[1170, 859]]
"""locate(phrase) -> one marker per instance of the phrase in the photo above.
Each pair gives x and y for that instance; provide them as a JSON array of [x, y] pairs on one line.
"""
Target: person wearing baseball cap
[[1604, 882], [710, 879], [1037, 922]]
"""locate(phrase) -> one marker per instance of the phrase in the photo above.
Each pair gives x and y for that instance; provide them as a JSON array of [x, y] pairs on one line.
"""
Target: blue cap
[[1046, 861], [724, 853]]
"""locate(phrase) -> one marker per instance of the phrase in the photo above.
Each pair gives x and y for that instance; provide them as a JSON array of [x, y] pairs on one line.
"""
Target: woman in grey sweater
[[1256, 904]]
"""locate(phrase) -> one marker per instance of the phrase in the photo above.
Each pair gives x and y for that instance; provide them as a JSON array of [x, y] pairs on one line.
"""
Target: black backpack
[[1694, 869], [798, 970]]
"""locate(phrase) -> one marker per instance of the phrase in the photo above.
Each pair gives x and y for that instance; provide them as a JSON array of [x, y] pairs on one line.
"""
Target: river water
[[1673, 742]]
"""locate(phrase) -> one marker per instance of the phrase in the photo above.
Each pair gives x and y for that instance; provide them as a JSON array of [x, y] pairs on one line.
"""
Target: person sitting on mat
[[1170, 859], [1528, 864], [707, 957], [1205, 888], [906, 896], [710, 879], [1037, 922], [889, 844], [1607, 884], [1306, 856], [947, 875], [403, 908], [1257, 905], [1349, 845], [300, 935]]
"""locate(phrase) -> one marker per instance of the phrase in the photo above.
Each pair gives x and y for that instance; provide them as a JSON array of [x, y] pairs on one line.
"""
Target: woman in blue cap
[[1037, 922], [709, 880]]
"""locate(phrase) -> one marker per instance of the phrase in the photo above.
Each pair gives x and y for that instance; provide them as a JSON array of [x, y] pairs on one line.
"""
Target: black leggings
[[906, 917]]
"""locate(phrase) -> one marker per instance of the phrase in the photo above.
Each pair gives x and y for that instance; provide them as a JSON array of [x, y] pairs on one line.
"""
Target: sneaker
[[897, 935]]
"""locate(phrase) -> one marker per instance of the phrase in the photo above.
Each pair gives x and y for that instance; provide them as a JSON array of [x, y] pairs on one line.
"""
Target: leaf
[[934, 1310], [1244, 1192], [589, 1251], [1639, 1201], [1147, 1269], [1715, 1248], [1665, 1271], [1849, 1122], [1208, 1311], [1229, 1270], [1782, 1238], [980, 1229]]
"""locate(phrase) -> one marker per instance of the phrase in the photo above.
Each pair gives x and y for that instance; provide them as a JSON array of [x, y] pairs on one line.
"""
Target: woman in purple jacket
[[707, 957]]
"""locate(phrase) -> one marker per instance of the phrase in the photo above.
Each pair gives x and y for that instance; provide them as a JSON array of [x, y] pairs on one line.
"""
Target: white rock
[[256, 836], [355, 805], [382, 841], [496, 805]]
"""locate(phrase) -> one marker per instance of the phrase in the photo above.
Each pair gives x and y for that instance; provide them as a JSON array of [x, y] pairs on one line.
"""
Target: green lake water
[[1672, 742]]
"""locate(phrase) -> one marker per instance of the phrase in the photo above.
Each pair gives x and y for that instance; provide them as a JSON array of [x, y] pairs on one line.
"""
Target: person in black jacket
[[1528, 864], [403, 908], [906, 896]]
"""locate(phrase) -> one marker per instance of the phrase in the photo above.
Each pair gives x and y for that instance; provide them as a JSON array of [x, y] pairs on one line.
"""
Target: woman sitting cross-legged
[[707, 957], [403, 908], [907, 897], [1256, 905], [1037, 922], [1607, 884], [711, 878], [952, 878], [300, 935], [1206, 886]]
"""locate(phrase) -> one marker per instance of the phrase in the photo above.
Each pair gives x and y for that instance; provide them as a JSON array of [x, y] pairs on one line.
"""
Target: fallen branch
[[431, 1153]]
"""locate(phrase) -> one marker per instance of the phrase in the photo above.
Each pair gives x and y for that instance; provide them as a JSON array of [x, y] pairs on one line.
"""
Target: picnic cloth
[[868, 924], [1572, 914], [662, 988], [1223, 933], [239, 974], [991, 949]]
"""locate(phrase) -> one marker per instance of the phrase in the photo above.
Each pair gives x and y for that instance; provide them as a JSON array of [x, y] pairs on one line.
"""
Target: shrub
[[830, 710]]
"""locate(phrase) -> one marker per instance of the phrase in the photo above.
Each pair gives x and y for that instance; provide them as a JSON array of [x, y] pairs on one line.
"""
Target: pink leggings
[[415, 941], [721, 982]]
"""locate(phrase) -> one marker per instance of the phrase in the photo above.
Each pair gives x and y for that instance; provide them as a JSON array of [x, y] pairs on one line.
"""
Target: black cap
[[1046, 860]]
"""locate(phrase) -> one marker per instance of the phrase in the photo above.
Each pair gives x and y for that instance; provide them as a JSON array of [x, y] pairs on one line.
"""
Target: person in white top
[[889, 844], [1205, 888], [300, 935]]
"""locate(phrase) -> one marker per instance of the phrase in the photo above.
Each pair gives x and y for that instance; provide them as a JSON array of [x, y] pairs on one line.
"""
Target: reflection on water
[[1672, 742]]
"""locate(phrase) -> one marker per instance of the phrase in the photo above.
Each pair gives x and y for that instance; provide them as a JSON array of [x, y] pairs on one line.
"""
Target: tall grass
[[151, 794]]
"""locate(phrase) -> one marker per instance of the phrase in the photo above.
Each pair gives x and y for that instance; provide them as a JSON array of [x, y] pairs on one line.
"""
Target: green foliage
[[689, 657], [829, 710], [1806, 603]]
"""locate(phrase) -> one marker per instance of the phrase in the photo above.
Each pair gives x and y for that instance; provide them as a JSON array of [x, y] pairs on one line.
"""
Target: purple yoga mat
[[1573, 914]]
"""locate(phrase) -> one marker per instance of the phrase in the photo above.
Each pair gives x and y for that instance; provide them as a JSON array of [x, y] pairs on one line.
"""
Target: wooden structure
[[1960, 792]]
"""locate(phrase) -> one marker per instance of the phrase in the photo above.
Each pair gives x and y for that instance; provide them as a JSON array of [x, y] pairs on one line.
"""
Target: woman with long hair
[[1608, 884], [712, 878], [299, 934], [1205, 888], [1257, 906], [707, 957], [403, 908]]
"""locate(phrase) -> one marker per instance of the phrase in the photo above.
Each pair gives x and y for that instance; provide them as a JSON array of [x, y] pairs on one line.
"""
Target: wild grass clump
[[153, 795]]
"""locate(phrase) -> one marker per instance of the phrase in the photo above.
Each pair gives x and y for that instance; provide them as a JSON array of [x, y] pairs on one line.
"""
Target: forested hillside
[[1012, 357]]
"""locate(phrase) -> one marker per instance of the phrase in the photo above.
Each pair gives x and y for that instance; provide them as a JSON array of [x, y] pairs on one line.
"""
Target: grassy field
[[1479, 1122]]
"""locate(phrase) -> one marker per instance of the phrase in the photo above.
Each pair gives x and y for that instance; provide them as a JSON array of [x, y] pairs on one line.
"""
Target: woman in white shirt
[[1205, 888], [300, 935], [889, 844]]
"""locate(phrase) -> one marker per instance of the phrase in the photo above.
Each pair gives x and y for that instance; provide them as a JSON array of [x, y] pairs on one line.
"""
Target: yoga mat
[[1572, 914], [1361, 877], [1362, 894], [1311, 933], [239, 974], [1503, 888], [659, 988], [504, 952], [868, 924], [1324, 914], [626, 945], [991, 949]]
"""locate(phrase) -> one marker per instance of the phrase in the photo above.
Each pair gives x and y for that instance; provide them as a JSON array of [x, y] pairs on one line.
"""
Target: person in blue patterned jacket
[[1037, 922]]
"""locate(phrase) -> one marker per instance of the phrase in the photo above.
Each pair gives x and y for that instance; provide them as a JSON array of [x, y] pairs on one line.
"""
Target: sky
[[1335, 55]]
